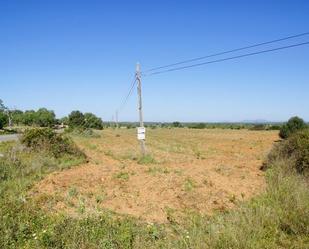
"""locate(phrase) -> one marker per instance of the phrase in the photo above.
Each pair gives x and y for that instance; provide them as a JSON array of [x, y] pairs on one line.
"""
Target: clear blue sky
[[73, 54]]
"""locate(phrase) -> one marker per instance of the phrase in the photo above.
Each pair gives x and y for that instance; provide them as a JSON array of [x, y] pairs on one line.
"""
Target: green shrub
[[47, 140], [295, 150], [294, 124]]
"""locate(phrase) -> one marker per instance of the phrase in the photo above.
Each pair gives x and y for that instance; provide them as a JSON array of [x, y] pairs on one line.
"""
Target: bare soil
[[188, 170]]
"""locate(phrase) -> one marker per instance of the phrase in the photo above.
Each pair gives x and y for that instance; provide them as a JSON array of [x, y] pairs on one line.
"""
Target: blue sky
[[67, 55]]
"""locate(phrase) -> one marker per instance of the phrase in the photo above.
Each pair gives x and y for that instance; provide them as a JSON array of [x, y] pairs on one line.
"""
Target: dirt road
[[10, 137]]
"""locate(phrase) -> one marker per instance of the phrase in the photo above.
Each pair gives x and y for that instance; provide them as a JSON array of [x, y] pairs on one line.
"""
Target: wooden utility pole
[[113, 121], [116, 114], [140, 108]]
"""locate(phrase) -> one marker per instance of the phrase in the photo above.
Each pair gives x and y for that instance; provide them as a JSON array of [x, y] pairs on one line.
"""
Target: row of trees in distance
[[47, 118]]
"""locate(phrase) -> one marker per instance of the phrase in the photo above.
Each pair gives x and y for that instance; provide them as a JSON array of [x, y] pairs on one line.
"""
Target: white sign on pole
[[141, 133]]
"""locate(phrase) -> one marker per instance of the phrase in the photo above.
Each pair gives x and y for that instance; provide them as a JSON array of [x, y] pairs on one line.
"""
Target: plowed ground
[[188, 170]]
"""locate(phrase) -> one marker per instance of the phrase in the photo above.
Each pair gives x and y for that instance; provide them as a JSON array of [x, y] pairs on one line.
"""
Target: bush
[[47, 140], [294, 124], [295, 150]]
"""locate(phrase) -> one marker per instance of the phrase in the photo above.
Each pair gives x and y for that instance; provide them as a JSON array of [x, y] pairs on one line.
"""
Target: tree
[[2, 106], [28, 117], [76, 119], [3, 115], [3, 119], [44, 118], [92, 121], [17, 116], [176, 124], [64, 120], [294, 124], [198, 126]]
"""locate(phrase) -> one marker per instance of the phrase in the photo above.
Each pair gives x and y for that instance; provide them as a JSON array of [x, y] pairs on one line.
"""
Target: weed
[[100, 198], [72, 192], [147, 159], [223, 170], [81, 206], [122, 176], [199, 155], [109, 153], [232, 198], [92, 146], [189, 185], [157, 170], [178, 172]]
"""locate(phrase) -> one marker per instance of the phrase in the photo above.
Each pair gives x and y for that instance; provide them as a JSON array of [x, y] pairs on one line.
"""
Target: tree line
[[47, 118]]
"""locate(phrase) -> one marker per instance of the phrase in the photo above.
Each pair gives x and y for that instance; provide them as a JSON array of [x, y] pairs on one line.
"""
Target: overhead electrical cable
[[125, 100], [226, 52], [228, 58]]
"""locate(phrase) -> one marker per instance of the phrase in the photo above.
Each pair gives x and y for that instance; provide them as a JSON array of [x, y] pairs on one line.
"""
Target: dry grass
[[186, 169]]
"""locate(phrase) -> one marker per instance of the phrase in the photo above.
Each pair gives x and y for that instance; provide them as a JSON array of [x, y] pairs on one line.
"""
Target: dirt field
[[198, 170]]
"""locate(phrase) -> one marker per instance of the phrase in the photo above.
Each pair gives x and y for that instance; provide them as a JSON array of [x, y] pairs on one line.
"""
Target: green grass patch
[[157, 170], [189, 185], [147, 159], [122, 176]]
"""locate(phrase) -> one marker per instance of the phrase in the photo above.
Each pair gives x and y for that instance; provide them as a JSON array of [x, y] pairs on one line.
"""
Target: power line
[[229, 58], [125, 100], [228, 51]]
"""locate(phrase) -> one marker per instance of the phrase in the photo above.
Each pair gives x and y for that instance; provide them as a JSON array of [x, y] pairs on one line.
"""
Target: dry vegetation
[[121, 200], [186, 170]]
